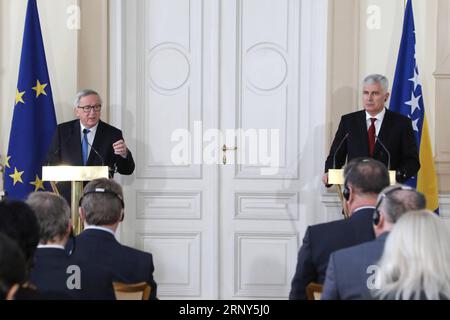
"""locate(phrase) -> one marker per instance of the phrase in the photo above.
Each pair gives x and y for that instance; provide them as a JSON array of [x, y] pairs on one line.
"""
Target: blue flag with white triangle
[[407, 99]]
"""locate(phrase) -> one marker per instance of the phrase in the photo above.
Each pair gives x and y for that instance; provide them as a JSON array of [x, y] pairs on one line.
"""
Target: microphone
[[92, 148], [337, 149], [387, 151], [51, 159]]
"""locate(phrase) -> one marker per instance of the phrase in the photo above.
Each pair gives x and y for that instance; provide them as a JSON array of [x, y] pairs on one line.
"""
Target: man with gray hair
[[102, 209], [351, 272], [375, 132], [88, 141], [54, 270]]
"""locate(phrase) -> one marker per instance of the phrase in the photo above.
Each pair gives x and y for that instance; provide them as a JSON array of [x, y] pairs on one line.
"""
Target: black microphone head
[[85, 131]]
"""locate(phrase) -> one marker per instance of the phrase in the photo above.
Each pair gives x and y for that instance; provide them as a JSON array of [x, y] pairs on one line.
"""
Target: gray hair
[[398, 199], [377, 78], [84, 93], [53, 214], [102, 208], [367, 176], [416, 260]]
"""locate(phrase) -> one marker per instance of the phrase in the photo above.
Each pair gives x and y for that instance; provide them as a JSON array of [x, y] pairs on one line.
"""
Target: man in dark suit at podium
[[365, 178], [88, 141], [375, 132]]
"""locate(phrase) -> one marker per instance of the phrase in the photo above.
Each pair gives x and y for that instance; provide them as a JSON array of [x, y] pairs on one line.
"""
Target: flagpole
[[2, 174]]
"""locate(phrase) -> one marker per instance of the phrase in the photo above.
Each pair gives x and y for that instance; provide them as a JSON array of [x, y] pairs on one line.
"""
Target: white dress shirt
[[378, 123]]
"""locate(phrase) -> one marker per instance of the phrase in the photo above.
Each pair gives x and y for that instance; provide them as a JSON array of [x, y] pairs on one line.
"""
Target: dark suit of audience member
[[124, 263], [323, 239], [102, 210], [365, 178], [104, 145], [351, 271], [54, 270], [392, 130], [18, 222]]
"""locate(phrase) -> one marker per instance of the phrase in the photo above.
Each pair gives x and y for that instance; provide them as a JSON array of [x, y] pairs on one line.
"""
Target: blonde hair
[[416, 260]]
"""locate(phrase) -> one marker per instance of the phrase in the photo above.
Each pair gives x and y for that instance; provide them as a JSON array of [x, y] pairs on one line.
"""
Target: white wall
[[379, 46]]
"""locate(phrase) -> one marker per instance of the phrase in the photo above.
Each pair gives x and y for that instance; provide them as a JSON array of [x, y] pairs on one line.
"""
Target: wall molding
[[182, 252], [259, 246], [442, 76]]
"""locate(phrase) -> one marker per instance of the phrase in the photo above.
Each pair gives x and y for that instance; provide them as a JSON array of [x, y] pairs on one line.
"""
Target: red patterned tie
[[371, 134]]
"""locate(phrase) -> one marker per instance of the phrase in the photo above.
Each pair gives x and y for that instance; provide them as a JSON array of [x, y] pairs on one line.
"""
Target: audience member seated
[[416, 260], [18, 222], [351, 271], [102, 209], [53, 269], [364, 180], [12, 268]]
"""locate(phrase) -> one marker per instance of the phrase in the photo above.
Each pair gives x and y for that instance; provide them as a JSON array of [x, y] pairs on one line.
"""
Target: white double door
[[189, 77]]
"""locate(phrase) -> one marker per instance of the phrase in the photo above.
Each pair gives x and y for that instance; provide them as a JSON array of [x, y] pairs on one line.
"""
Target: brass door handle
[[225, 149]]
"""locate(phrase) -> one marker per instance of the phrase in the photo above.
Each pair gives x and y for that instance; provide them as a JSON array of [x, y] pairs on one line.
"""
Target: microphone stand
[[339, 188]]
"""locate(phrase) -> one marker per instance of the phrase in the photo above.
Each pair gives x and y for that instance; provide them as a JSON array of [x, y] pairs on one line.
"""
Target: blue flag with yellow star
[[407, 99], [34, 120]]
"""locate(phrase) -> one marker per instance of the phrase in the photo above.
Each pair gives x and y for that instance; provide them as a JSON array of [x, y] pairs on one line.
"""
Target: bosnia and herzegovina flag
[[34, 120], [407, 99]]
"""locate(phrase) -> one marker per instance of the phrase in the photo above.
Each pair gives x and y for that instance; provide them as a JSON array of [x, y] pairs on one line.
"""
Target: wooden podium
[[336, 176], [76, 175]]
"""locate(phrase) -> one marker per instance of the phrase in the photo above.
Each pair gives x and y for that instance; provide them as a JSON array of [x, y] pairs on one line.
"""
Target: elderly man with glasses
[[88, 141]]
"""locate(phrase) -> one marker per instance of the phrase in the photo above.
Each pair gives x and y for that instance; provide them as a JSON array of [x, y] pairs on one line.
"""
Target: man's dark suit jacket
[[396, 134], [321, 240], [66, 147], [49, 274], [66, 150], [347, 275], [124, 263]]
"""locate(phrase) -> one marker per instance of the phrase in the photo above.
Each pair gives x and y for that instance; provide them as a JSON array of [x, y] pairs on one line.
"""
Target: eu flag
[[34, 120], [407, 99]]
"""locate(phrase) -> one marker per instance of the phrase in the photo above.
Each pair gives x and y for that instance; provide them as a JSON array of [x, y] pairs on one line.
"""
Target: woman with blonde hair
[[416, 260]]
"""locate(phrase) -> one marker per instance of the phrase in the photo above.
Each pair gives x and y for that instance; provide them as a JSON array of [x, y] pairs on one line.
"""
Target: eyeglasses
[[88, 109]]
